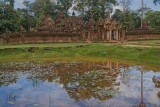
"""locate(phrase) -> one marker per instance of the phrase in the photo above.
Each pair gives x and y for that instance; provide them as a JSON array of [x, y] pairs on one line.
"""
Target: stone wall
[[144, 36], [40, 37]]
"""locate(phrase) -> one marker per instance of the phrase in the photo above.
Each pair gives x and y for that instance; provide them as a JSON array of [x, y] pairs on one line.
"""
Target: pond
[[78, 84]]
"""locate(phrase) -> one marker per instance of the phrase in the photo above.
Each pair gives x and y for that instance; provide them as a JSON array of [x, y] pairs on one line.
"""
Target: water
[[77, 84]]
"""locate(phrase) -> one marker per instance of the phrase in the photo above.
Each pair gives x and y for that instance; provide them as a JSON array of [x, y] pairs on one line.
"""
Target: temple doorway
[[113, 35]]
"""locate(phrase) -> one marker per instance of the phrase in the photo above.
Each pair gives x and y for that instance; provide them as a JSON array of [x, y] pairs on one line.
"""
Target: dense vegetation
[[12, 19]]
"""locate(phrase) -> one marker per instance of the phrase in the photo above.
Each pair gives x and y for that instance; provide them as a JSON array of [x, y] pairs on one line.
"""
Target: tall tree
[[132, 20], [153, 19], [125, 4], [26, 14], [8, 18], [43, 7], [64, 4], [11, 2], [93, 8]]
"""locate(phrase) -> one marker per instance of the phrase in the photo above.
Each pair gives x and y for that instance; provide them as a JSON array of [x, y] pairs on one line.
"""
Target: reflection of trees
[[86, 80], [156, 81], [142, 102], [81, 80], [7, 78], [11, 99], [124, 75]]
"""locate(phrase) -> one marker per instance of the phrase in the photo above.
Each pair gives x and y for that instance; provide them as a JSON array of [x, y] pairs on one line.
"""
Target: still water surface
[[77, 84]]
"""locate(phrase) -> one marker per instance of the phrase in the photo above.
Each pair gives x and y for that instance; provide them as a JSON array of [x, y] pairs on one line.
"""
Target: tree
[[26, 20], [26, 24], [153, 19], [11, 2], [8, 18], [64, 4], [43, 7], [132, 18], [93, 8], [125, 4]]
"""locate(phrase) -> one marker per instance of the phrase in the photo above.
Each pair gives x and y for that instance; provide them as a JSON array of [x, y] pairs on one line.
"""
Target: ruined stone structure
[[102, 30], [46, 24]]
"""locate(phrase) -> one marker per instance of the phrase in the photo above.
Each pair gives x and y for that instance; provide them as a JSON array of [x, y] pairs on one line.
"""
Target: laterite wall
[[40, 37]]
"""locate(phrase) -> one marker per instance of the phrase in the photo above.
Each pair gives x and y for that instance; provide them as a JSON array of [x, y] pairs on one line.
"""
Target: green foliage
[[11, 2], [64, 4], [132, 19], [8, 19], [43, 7], [153, 19], [26, 20], [93, 8]]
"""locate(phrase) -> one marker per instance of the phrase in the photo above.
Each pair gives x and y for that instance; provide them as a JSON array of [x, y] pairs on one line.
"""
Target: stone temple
[[102, 30]]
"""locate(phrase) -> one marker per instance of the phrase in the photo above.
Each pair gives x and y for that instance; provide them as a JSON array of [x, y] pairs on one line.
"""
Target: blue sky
[[135, 4]]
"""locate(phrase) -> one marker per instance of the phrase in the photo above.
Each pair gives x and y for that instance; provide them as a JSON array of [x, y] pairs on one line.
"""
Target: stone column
[[110, 35], [124, 33], [117, 35], [92, 35], [88, 36], [103, 34], [98, 35]]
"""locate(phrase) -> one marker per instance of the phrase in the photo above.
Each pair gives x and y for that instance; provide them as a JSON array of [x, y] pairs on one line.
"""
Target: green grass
[[145, 42], [79, 52], [41, 45]]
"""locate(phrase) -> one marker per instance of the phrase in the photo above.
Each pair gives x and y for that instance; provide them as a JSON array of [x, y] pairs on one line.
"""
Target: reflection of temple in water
[[81, 80], [87, 80]]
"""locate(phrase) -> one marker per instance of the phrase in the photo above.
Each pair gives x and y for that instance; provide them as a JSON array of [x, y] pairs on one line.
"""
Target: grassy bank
[[55, 45], [81, 52]]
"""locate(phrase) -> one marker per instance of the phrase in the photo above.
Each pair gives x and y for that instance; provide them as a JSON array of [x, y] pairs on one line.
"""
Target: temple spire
[[108, 14]]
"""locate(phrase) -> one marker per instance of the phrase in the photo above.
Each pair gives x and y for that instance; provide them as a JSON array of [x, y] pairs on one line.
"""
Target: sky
[[136, 4]]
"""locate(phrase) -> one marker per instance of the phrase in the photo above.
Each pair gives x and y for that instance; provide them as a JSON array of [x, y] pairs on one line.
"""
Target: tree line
[[12, 19]]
